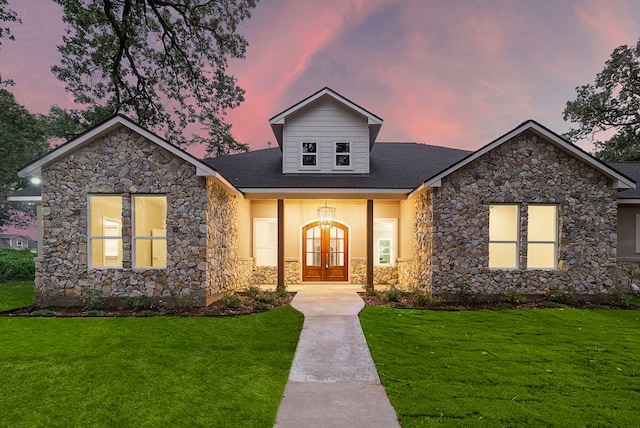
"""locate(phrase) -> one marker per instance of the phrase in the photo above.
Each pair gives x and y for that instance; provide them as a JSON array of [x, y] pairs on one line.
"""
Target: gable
[[326, 137], [619, 180], [34, 169]]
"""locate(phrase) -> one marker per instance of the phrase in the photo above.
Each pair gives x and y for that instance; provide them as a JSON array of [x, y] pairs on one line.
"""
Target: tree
[[22, 139], [6, 15], [161, 62], [611, 104]]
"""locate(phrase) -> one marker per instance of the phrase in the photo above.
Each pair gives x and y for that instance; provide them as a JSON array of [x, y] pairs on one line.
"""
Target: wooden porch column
[[370, 244], [281, 244]]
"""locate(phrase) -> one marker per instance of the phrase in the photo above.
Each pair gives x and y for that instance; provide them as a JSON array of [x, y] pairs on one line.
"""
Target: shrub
[[146, 313], [464, 294], [180, 303], [512, 297], [268, 297], [282, 292], [95, 313], [260, 307], [138, 303], [392, 295], [422, 299], [213, 312], [557, 295], [93, 300], [616, 296], [252, 291], [16, 265], [231, 301], [370, 291]]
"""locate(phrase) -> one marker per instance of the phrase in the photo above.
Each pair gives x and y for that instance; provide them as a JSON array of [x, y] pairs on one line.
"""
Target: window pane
[[266, 242], [542, 225], [308, 160], [151, 252], [503, 223], [106, 252], [384, 238], [149, 220], [105, 219], [343, 147], [541, 256], [343, 160], [503, 255], [308, 147], [150, 214]]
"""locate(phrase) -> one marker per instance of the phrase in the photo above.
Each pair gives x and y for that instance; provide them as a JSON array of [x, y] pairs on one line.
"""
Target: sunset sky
[[455, 73]]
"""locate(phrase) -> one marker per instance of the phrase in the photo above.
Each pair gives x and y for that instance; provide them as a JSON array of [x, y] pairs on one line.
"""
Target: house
[[17, 242], [126, 213]]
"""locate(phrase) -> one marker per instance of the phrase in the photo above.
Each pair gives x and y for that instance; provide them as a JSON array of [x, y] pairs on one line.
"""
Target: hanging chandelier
[[325, 216]]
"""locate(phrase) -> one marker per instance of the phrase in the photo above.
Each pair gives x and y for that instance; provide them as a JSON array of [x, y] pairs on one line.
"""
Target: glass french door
[[325, 252]]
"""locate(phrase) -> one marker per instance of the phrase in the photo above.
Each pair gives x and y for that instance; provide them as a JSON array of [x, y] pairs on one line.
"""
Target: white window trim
[[316, 154], [394, 242], [90, 237], [255, 240], [333, 159], [134, 238], [19, 242], [555, 242], [517, 241]]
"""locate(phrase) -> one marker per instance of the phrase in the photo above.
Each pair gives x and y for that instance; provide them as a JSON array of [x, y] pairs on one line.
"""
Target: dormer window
[[342, 155], [309, 154]]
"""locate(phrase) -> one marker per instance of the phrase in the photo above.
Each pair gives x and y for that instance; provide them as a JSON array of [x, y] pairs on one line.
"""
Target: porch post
[[281, 244], [370, 244]]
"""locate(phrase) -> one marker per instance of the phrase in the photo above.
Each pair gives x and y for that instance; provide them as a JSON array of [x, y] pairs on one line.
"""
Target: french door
[[325, 255]]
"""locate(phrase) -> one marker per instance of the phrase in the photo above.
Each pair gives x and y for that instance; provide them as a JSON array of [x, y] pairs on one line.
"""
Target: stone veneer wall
[[265, 275], [225, 271], [420, 272], [292, 272], [524, 170], [358, 271], [121, 163], [407, 269]]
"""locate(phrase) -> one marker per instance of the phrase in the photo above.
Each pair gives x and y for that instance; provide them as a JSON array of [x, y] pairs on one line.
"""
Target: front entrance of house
[[325, 252]]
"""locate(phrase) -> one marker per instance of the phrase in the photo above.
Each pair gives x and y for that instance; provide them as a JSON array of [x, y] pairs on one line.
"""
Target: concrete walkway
[[333, 382]]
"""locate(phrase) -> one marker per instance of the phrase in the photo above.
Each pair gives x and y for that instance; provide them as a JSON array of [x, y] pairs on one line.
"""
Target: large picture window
[[384, 241], [265, 239], [503, 236], [105, 231], [542, 237], [150, 231]]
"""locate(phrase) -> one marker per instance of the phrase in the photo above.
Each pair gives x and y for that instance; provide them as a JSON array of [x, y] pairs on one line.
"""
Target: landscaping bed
[[251, 300], [464, 300]]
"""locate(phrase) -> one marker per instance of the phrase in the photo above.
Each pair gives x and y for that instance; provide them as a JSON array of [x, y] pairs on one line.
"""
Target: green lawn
[[145, 372], [15, 294], [552, 367]]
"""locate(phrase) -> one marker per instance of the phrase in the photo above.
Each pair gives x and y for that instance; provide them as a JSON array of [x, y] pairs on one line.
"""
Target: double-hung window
[[504, 230], [542, 237], [309, 154], [150, 231], [342, 154], [105, 231], [265, 239]]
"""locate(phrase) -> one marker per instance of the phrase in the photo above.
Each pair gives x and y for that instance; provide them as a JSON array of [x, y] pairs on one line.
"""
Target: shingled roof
[[631, 170], [393, 166]]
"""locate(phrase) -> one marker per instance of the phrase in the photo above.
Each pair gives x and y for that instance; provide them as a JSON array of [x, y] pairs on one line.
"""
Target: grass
[[145, 372], [552, 367], [15, 294]]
